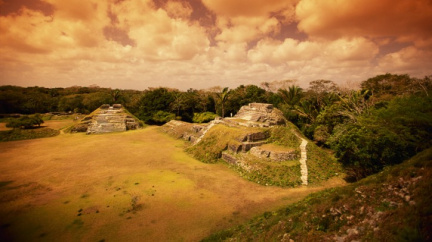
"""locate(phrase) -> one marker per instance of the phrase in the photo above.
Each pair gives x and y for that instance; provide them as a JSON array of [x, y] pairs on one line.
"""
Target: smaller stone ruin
[[107, 119]]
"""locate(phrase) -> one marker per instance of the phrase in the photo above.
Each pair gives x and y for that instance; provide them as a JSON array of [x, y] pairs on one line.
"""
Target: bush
[[203, 117], [25, 122], [162, 117]]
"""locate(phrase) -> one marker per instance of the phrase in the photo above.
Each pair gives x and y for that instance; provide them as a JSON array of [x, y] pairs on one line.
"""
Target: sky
[[136, 44]]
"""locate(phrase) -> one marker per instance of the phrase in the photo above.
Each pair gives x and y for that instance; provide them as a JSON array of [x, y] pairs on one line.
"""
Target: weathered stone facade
[[107, 119], [272, 155], [260, 115], [187, 131]]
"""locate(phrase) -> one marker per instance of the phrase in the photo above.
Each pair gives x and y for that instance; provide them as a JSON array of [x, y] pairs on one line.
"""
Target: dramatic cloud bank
[[204, 43]]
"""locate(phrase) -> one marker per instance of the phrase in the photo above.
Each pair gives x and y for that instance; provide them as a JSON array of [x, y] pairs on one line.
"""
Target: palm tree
[[355, 103], [223, 96], [291, 96]]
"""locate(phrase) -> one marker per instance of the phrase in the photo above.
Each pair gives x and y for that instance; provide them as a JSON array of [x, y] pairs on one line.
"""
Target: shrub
[[163, 117], [203, 117], [25, 122]]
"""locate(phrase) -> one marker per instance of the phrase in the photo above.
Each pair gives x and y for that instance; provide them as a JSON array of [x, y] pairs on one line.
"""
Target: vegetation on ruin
[[204, 117], [283, 174], [217, 140]]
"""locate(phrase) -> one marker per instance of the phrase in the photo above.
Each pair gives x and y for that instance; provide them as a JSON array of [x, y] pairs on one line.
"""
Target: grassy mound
[[285, 136], [217, 139], [321, 165], [394, 205]]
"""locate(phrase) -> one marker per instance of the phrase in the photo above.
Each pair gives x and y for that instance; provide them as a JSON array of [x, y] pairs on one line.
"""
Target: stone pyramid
[[107, 119]]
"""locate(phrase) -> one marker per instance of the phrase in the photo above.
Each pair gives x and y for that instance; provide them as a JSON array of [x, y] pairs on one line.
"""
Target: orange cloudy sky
[[203, 43]]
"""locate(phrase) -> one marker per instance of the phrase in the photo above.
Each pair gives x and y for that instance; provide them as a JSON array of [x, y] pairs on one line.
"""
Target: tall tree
[[115, 94], [223, 96]]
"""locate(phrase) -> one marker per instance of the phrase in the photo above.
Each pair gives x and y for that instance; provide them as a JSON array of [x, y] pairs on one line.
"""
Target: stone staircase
[[205, 130], [303, 159]]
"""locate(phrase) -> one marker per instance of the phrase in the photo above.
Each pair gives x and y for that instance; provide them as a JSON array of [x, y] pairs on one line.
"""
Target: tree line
[[388, 119]]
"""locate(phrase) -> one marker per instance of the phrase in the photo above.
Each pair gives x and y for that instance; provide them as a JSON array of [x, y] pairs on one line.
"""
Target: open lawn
[[130, 186]]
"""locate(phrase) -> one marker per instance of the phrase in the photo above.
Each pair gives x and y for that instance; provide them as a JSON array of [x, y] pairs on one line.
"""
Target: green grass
[[49, 116], [77, 187], [216, 140], [22, 134], [322, 165], [372, 209], [284, 174], [285, 136]]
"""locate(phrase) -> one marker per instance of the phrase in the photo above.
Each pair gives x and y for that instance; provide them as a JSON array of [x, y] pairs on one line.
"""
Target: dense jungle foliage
[[386, 121]]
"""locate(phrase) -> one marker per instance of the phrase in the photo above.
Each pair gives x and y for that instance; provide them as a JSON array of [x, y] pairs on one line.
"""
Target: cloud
[[159, 36], [137, 43], [177, 9], [406, 19], [411, 60], [242, 29], [247, 20], [291, 50], [79, 10], [247, 8]]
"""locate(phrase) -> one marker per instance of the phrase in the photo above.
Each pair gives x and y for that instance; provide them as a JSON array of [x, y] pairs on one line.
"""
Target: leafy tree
[[25, 121], [72, 103], [390, 85], [323, 93], [152, 101], [92, 101], [244, 95], [178, 103], [384, 136], [115, 95]]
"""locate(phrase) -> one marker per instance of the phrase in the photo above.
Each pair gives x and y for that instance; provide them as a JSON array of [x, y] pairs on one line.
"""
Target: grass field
[[131, 186]]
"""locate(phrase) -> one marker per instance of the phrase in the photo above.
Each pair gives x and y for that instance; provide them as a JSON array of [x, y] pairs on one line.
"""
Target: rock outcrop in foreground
[[107, 119]]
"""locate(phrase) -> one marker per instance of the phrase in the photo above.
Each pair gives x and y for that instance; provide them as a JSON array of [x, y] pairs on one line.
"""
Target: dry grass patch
[[136, 185]]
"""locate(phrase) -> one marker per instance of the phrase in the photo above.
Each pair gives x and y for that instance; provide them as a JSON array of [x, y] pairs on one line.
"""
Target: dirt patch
[[3, 127], [58, 124], [121, 186]]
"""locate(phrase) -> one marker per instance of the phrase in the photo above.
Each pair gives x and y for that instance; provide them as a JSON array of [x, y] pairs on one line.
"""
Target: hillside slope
[[394, 205]]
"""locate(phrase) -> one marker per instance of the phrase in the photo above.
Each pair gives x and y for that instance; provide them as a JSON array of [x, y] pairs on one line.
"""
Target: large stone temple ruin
[[261, 115]]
